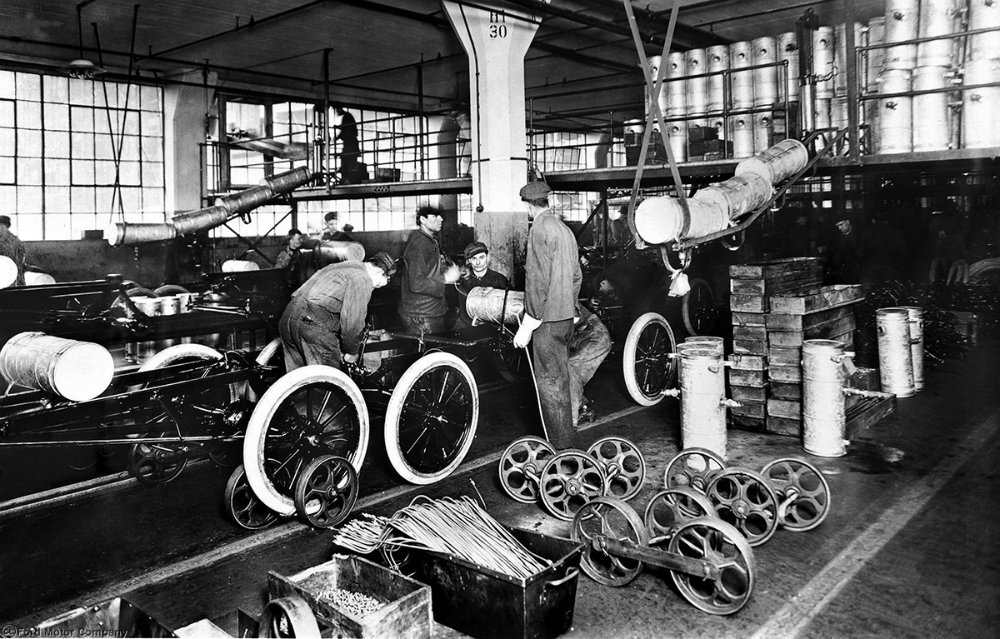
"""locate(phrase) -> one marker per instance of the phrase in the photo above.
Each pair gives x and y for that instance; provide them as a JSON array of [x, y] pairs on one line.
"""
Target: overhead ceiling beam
[[685, 35], [580, 18], [243, 28]]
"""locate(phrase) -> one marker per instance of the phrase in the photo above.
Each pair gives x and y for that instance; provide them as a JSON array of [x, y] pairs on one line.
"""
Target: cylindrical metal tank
[[788, 52], [78, 371], [937, 17], [765, 80], [763, 131], [901, 24], [894, 353], [736, 196], [915, 314], [703, 391], [741, 127], [980, 124], [823, 65], [741, 57], [717, 60], [874, 59], [931, 121], [489, 304], [895, 115], [777, 163], [695, 63], [840, 56], [823, 414], [984, 14]]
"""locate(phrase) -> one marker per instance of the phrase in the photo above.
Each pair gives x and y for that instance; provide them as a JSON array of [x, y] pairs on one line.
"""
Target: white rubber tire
[[628, 356], [687, 312], [172, 354], [263, 413], [394, 412], [268, 353]]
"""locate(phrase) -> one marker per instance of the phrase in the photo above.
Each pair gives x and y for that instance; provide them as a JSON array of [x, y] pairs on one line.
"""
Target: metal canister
[[823, 67], [937, 18], [703, 393], [742, 128], [873, 59], [695, 63], [984, 14], [710, 342], [915, 315], [741, 57], [676, 88], [901, 24], [980, 126], [895, 114], [765, 79], [788, 52], [823, 412], [895, 357], [931, 122], [717, 60]]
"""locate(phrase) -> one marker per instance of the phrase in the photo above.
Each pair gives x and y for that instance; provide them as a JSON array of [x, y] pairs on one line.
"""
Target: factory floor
[[908, 550]]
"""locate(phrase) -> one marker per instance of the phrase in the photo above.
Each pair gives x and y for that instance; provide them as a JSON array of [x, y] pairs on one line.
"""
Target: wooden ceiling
[[400, 55]]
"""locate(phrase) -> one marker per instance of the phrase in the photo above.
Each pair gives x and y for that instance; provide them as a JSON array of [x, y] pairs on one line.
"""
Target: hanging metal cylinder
[[200, 220], [331, 251], [703, 400], [659, 220], [128, 233], [915, 315], [79, 371], [777, 163], [738, 195], [895, 357], [287, 181], [823, 412], [246, 200], [493, 304]]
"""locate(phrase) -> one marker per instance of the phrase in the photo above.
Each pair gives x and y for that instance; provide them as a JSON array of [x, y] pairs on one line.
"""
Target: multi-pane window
[[78, 154]]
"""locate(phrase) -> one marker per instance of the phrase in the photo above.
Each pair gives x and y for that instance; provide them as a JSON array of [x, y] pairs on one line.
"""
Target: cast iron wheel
[[624, 465], [745, 500], [431, 418], [326, 491], [521, 466], [670, 509], [802, 490], [569, 480], [609, 518], [647, 364], [698, 308], [310, 412], [693, 467], [721, 544], [242, 504]]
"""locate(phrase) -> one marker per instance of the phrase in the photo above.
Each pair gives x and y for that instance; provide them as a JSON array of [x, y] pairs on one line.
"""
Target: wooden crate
[[748, 393], [748, 319], [748, 303], [785, 390], [787, 408], [742, 422], [785, 373], [750, 409], [806, 321], [752, 333], [783, 426], [784, 356], [830, 330], [747, 362], [750, 346], [406, 611], [776, 268], [789, 283], [817, 299], [757, 379]]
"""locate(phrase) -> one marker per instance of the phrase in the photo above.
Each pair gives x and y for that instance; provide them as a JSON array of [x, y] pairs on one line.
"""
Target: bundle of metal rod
[[452, 526]]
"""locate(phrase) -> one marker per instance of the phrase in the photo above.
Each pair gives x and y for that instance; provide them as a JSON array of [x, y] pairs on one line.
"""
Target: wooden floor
[[909, 548]]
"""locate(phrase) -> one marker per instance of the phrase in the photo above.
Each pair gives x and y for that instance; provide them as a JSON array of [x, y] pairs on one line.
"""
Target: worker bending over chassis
[[588, 346], [552, 286], [325, 319]]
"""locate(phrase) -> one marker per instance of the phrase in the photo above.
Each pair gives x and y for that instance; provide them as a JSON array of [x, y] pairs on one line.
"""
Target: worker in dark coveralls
[[552, 286], [12, 247], [332, 232], [477, 272], [324, 321], [588, 346], [422, 302]]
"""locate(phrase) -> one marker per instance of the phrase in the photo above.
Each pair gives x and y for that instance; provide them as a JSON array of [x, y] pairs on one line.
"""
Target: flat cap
[[474, 249], [332, 215], [4, 220], [534, 190], [384, 262]]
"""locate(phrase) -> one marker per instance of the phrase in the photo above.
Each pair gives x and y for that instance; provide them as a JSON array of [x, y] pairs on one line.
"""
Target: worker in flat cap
[[477, 272], [552, 286], [325, 319], [423, 306], [12, 247], [332, 232], [845, 253]]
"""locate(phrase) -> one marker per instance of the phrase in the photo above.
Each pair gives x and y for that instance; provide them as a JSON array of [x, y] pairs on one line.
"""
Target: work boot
[[587, 412]]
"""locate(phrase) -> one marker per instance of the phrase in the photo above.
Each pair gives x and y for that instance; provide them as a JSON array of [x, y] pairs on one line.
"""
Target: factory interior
[[499, 318]]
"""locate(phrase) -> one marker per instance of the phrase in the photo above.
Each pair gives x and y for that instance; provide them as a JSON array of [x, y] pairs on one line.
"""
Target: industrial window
[[79, 154]]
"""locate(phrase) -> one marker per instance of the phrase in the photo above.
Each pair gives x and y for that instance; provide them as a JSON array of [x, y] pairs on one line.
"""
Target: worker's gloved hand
[[350, 359], [451, 274], [528, 326]]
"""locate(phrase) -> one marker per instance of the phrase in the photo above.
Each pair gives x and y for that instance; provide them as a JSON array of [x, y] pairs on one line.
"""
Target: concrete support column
[[183, 134], [496, 42]]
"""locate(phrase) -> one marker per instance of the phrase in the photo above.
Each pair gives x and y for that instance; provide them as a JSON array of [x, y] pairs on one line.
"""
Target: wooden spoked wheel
[[647, 362], [431, 418], [308, 413]]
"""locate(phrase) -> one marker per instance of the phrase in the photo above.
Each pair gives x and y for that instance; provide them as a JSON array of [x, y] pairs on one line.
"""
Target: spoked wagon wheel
[[431, 418], [242, 504], [646, 361], [326, 491], [511, 361], [154, 463], [608, 517], [310, 412], [715, 540], [698, 308]]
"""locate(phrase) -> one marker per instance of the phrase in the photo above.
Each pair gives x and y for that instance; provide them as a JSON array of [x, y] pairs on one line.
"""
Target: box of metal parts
[[484, 604], [354, 597], [113, 618]]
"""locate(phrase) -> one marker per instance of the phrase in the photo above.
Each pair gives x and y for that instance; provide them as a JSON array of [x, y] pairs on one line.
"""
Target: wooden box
[[748, 393], [112, 618], [485, 604], [406, 613]]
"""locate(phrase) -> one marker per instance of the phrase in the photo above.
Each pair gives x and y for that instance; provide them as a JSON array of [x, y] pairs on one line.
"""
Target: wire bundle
[[451, 526]]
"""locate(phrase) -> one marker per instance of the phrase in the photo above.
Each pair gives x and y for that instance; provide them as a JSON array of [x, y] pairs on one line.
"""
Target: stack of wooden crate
[[822, 313], [752, 286]]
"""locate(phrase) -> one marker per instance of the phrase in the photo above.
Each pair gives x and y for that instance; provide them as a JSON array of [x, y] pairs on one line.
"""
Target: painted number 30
[[498, 31]]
